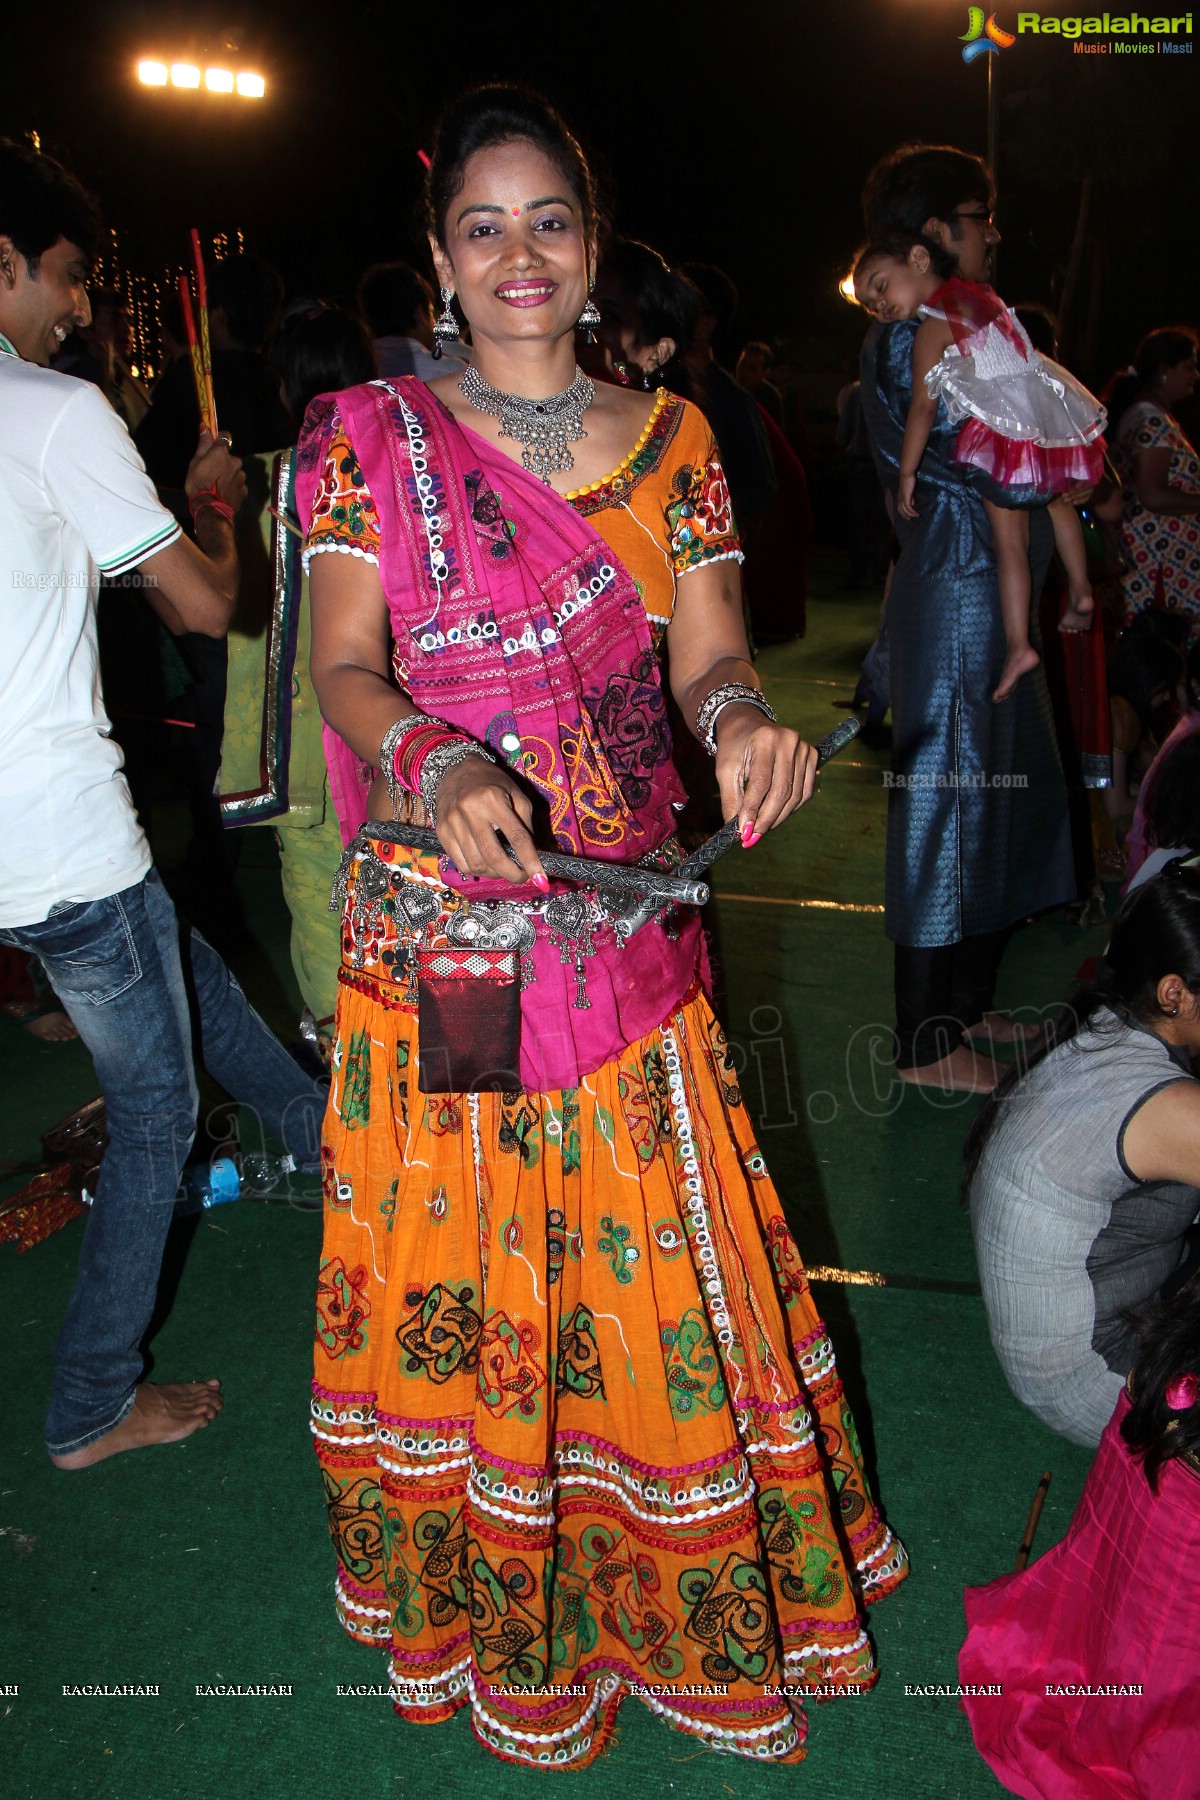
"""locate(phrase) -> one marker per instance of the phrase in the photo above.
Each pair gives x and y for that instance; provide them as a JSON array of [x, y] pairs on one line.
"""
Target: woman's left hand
[[764, 771]]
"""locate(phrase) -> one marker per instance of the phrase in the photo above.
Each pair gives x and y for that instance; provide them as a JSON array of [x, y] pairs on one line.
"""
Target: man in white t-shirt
[[77, 888]]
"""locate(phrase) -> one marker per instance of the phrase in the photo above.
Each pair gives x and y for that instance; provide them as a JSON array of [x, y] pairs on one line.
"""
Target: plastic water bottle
[[227, 1178]]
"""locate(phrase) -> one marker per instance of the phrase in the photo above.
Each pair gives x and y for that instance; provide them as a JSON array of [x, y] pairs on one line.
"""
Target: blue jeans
[[115, 964]]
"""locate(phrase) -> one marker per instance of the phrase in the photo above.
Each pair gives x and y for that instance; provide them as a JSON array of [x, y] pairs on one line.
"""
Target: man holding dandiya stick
[[77, 887]]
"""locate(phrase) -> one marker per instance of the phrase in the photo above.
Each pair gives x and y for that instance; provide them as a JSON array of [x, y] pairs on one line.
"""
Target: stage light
[[244, 82]]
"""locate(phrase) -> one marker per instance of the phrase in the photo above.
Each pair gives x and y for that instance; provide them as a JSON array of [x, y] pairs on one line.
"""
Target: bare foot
[[52, 1028], [1078, 613], [159, 1415], [962, 1072], [1016, 664], [1003, 1030]]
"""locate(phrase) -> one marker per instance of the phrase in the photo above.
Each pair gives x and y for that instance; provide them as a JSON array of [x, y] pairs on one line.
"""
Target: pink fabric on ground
[[1116, 1604]]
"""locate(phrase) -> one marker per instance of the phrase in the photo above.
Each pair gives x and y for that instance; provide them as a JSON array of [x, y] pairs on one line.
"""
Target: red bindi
[[516, 212]]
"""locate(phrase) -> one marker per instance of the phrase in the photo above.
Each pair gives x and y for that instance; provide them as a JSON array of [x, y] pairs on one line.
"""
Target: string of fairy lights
[[145, 297]]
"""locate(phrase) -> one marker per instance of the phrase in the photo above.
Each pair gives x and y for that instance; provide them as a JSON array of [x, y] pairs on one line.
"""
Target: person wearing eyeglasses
[[1023, 419], [978, 834]]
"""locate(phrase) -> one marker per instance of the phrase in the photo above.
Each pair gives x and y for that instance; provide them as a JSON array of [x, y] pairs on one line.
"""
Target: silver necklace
[[543, 428]]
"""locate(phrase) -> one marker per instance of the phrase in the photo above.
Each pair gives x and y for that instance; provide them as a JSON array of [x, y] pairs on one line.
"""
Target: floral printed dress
[[1162, 550], [580, 1426]]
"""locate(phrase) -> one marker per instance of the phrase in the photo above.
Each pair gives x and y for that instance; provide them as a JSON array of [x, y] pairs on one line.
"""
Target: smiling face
[[894, 287], [38, 310], [515, 252]]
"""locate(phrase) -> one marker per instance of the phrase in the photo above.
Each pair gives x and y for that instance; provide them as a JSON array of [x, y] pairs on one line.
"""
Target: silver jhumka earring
[[589, 318], [445, 329]]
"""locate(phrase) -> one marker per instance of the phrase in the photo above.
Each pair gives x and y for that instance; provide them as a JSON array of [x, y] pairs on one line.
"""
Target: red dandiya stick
[[189, 325], [152, 718], [205, 346]]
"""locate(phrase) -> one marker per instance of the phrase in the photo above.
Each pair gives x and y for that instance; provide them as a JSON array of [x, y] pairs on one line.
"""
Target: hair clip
[[1181, 1393]]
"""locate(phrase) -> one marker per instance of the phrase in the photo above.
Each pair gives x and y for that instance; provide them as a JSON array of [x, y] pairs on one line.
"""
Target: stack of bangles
[[732, 693], [209, 497], [417, 751]]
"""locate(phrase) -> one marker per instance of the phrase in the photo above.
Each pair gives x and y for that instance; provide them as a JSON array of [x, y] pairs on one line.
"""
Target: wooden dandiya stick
[[1031, 1523], [288, 524], [205, 345], [189, 326]]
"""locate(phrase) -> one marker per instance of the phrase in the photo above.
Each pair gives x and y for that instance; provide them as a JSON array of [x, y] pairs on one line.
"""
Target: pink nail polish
[[750, 837], [541, 884]]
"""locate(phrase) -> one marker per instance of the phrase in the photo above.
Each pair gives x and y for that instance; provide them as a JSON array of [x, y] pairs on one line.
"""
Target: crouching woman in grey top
[[1084, 1171]]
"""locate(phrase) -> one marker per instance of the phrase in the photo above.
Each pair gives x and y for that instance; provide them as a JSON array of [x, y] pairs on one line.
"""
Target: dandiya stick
[[289, 524], [205, 345], [189, 325], [1031, 1523], [152, 718]]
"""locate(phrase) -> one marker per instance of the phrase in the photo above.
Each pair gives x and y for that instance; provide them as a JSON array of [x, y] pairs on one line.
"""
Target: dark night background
[[731, 133]]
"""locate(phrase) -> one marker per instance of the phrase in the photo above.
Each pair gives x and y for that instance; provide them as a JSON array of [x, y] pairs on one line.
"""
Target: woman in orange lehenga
[[579, 1423]]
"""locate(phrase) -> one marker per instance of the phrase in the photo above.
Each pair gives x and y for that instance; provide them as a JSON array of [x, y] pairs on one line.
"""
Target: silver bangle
[[392, 738], [733, 693], [439, 762]]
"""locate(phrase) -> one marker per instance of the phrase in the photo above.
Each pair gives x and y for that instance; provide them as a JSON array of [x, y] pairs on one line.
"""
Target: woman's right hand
[[475, 800]]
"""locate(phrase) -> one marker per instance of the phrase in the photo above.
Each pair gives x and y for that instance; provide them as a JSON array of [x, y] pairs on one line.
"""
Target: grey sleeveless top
[[1053, 1190]]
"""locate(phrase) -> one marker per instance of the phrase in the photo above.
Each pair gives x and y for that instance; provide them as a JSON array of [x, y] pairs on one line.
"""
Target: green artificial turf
[[209, 1561]]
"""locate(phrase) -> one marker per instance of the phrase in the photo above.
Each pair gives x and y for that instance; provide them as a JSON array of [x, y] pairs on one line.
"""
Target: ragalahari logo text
[[983, 37]]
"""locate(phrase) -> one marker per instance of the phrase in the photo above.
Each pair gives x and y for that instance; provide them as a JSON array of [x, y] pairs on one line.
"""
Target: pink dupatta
[[516, 622]]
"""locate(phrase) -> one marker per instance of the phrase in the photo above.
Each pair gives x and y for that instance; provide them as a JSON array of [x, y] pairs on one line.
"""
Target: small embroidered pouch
[[468, 1021]]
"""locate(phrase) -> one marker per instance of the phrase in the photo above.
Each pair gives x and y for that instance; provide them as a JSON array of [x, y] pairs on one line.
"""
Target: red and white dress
[[1028, 422]]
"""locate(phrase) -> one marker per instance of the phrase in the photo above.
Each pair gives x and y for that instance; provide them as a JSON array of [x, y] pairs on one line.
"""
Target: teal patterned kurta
[[964, 857]]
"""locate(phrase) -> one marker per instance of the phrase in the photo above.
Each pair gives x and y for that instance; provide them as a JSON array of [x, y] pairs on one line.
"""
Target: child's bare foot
[[1078, 613], [159, 1415], [52, 1028], [1016, 664]]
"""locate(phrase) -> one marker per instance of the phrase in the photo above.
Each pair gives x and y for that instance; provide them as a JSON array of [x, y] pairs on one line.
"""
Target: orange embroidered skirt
[[580, 1427]]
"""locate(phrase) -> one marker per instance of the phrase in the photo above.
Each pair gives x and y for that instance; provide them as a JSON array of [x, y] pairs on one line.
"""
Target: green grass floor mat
[[208, 1562]]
